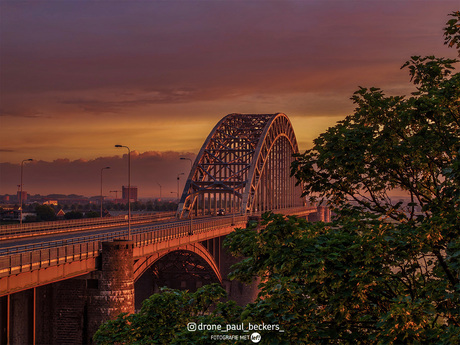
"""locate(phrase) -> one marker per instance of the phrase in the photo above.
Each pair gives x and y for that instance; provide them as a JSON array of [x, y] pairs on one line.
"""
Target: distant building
[[95, 199], [10, 214], [60, 214], [61, 199], [24, 196], [13, 213], [132, 193]]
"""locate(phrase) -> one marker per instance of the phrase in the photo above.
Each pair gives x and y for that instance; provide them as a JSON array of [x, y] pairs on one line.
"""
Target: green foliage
[[137, 206], [163, 318], [408, 253], [73, 215], [92, 214], [45, 213], [452, 31], [29, 219], [357, 280]]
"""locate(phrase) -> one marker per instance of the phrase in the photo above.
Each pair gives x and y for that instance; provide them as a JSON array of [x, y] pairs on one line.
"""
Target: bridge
[[59, 283]]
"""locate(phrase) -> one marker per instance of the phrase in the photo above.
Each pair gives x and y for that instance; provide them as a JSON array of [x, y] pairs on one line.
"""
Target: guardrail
[[197, 224], [294, 210], [16, 230], [84, 247], [32, 260], [121, 233]]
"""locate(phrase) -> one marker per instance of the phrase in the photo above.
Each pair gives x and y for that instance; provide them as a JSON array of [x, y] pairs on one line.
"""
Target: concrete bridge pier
[[17, 318], [323, 214], [115, 291], [237, 291]]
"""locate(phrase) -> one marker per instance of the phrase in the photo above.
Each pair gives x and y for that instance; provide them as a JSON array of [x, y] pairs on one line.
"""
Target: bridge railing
[[43, 258], [185, 228], [198, 224], [59, 252], [291, 210], [20, 259], [73, 224]]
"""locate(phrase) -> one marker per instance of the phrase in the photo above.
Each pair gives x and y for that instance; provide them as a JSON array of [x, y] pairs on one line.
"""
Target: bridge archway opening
[[179, 269], [243, 167]]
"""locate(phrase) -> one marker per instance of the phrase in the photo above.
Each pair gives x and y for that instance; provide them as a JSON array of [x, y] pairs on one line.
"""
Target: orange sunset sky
[[78, 77]]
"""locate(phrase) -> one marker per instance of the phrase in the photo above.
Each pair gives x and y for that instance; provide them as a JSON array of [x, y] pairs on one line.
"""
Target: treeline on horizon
[[90, 210]]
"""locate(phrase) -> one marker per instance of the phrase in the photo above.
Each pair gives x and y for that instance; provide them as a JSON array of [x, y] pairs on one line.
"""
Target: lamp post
[[178, 179], [233, 207], [191, 164], [20, 195], [160, 190], [187, 159], [102, 198], [129, 190]]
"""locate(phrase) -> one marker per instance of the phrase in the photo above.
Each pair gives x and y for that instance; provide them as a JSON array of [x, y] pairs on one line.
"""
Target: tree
[[73, 215], [149, 206], [452, 31], [45, 213], [92, 214], [163, 318]]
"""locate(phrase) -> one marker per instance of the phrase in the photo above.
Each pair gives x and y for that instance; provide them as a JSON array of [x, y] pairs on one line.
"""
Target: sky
[[78, 77]]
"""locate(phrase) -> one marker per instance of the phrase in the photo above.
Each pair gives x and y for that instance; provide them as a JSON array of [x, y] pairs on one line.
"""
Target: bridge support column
[[322, 214], [21, 318], [237, 291], [115, 293]]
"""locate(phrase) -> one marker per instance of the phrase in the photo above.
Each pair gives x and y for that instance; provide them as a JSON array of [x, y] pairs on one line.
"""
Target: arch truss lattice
[[243, 167]]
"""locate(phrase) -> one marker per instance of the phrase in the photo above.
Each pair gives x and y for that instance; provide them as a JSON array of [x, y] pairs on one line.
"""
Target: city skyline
[[76, 79], [83, 177]]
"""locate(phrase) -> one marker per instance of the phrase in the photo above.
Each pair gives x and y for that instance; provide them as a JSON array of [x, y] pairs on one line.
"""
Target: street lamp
[[187, 159], [160, 190], [191, 163], [102, 198], [20, 196], [233, 206], [129, 189], [178, 178]]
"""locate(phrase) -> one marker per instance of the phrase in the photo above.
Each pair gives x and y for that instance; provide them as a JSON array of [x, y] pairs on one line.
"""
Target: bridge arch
[[186, 267], [143, 264], [243, 167]]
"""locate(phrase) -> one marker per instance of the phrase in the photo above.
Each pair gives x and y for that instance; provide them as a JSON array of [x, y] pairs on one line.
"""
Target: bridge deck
[[56, 261]]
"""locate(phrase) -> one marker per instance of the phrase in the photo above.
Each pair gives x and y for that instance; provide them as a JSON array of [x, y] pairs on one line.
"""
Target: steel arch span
[[243, 167]]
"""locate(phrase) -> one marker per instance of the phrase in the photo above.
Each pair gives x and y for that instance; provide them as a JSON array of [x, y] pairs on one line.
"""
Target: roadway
[[45, 258], [38, 241], [43, 240]]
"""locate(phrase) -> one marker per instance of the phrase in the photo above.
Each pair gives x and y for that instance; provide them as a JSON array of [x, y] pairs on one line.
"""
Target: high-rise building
[[132, 193], [24, 196]]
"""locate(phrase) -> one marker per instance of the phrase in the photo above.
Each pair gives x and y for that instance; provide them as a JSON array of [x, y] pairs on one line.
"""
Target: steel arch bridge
[[243, 167]]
